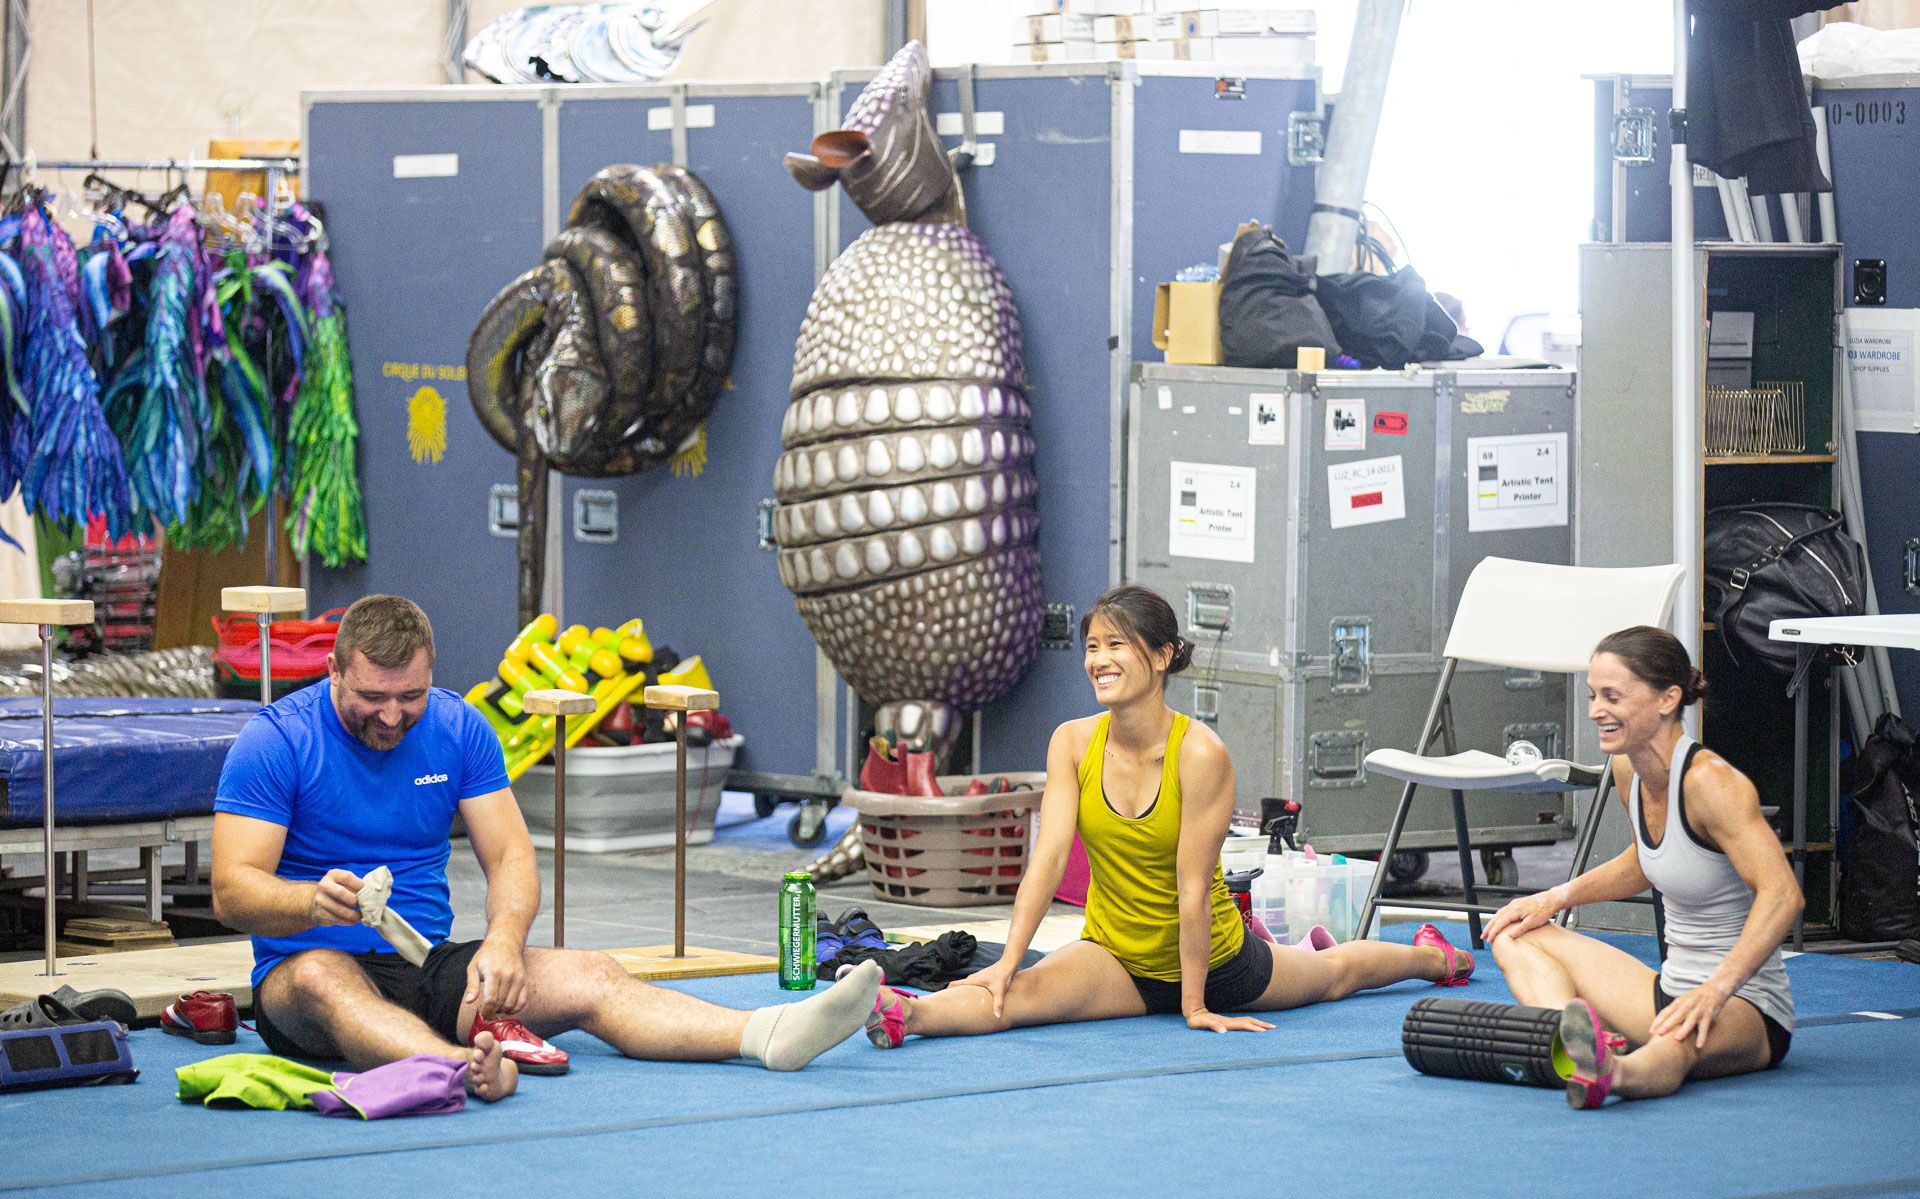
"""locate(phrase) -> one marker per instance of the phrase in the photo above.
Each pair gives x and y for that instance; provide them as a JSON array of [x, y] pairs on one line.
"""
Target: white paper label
[[1346, 425], [1368, 492], [1880, 354], [1163, 396], [1516, 482], [1266, 418], [699, 116], [985, 124], [426, 166], [1211, 515], [1220, 141]]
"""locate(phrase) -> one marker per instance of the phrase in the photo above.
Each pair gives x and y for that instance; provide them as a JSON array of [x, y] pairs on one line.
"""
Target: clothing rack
[[275, 168]]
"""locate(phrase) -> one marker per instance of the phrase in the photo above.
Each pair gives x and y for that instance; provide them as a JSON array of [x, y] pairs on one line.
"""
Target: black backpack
[[1267, 306], [1880, 863], [1766, 562]]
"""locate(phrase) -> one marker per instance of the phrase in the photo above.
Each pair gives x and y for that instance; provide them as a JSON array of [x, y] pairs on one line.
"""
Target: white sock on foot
[[786, 1036]]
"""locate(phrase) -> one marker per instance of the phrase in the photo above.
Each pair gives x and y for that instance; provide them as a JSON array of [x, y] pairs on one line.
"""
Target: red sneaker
[[530, 1053], [206, 1016]]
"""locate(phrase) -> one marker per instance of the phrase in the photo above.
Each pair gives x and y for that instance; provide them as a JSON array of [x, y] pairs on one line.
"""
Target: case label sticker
[[1211, 514], [1369, 492], [1393, 424], [1266, 418], [1517, 481], [1220, 141], [1346, 425], [426, 166]]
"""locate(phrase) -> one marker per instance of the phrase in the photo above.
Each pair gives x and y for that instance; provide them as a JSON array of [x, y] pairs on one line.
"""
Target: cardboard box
[[1095, 7], [1186, 322], [1075, 51], [1056, 27], [1243, 51], [1124, 28], [1236, 22], [1123, 49]]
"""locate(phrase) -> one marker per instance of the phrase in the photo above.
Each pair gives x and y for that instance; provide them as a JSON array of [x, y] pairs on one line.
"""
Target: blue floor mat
[[738, 826], [1128, 1106]]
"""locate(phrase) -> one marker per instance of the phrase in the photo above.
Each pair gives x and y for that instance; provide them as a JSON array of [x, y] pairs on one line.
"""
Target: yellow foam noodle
[[538, 741], [540, 628], [477, 696], [691, 672]]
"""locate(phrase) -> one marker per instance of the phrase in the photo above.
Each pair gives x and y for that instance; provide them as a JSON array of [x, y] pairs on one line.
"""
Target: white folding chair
[[1523, 616]]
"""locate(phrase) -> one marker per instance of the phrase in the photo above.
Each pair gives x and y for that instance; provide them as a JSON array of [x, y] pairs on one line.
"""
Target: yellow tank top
[[1133, 904]]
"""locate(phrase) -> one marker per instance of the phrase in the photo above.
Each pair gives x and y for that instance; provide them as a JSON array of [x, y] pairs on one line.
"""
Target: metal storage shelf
[[1766, 459]]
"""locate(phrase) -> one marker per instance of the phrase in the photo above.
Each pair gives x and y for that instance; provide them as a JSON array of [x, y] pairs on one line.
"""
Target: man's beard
[[373, 735]]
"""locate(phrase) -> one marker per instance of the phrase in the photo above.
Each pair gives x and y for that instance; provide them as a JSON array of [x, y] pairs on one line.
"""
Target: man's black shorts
[[432, 992]]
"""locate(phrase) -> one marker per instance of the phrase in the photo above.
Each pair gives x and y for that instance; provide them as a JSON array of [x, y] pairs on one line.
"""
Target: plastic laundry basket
[[948, 851]]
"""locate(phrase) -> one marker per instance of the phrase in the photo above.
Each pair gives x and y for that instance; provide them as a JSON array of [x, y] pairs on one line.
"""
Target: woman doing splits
[[1151, 794], [1720, 1003]]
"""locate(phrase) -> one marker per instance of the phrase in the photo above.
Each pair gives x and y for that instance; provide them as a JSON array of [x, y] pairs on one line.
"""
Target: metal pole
[[1800, 785], [274, 438], [46, 782], [680, 836], [289, 165], [1342, 178], [265, 621], [1685, 382], [560, 831]]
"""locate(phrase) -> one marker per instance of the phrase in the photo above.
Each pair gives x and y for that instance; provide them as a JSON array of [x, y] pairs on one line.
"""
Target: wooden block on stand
[[653, 963], [272, 600], [46, 611], [556, 701], [672, 697]]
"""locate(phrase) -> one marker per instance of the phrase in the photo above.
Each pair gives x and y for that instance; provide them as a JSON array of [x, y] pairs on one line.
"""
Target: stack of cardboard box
[[1167, 30]]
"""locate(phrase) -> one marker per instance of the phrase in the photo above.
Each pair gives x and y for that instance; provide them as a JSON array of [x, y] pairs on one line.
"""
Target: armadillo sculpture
[[907, 522]]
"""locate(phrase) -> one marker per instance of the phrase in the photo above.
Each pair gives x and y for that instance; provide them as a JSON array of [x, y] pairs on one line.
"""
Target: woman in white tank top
[[1720, 1004]]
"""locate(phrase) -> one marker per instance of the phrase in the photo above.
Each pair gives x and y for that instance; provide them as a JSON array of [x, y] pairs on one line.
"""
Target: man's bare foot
[[490, 1076]]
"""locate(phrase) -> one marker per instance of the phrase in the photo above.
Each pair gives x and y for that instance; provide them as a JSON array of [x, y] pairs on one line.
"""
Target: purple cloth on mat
[[421, 1085]]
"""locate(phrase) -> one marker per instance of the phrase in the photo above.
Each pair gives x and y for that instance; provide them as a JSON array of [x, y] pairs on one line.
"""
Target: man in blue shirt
[[367, 769]]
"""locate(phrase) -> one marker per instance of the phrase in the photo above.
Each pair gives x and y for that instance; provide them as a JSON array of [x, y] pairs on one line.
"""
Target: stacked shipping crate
[[1165, 30]]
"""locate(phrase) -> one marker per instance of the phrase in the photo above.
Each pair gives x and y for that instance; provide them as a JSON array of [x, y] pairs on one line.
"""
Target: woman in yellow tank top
[[1151, 794]]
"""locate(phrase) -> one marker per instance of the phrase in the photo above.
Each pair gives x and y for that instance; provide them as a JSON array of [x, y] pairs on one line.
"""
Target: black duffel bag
[[1267, 306], [1880, 862], [1765, 562]]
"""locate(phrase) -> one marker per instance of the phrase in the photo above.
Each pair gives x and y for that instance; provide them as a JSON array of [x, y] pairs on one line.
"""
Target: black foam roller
[[1488, 1042]]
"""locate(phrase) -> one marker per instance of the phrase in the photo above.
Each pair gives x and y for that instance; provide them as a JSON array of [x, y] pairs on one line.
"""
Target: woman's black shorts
[[1231, 985]]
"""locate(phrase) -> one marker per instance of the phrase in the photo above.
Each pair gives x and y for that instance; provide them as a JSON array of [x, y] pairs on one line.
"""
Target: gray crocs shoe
[[42, 1011], [107, 1003]]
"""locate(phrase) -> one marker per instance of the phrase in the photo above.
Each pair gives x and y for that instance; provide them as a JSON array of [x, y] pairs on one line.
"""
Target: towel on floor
[[256, 1080], [421, 1085]]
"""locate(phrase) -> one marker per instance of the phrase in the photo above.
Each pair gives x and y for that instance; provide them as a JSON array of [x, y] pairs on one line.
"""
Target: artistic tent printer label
[[1517, 481], [1212, 512]]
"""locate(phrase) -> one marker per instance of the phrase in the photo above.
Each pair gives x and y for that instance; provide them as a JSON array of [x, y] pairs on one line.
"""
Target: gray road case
[[1315, 532]]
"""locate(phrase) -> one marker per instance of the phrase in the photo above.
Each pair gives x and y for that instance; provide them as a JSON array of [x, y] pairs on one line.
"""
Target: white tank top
[[1706, 900]]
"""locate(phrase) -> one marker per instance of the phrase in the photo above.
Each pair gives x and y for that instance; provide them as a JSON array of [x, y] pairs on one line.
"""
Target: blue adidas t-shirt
[[352, 808]]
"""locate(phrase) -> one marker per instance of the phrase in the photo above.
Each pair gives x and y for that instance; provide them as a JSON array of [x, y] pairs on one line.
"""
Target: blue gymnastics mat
[[1322, 1105]]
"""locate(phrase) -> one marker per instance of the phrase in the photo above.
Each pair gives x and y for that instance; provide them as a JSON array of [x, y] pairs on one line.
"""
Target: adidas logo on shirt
[[424, 779]]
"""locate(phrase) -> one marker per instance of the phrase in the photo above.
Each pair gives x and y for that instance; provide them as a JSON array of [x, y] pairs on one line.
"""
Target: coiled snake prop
[[607, 356]]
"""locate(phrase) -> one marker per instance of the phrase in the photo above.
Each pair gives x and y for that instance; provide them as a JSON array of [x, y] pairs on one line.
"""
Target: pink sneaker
[[1317, 938], [1591, 1049], [887, 1025], [1459, 961]]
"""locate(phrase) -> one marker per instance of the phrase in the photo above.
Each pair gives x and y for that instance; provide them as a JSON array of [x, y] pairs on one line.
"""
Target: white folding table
[[1808, 635]]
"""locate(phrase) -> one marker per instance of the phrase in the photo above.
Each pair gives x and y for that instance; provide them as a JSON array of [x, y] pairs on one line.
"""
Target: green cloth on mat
[[256, 1080]]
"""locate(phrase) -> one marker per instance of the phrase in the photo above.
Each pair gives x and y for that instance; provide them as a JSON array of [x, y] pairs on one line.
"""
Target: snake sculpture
[[607, 356], [906, 493]]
